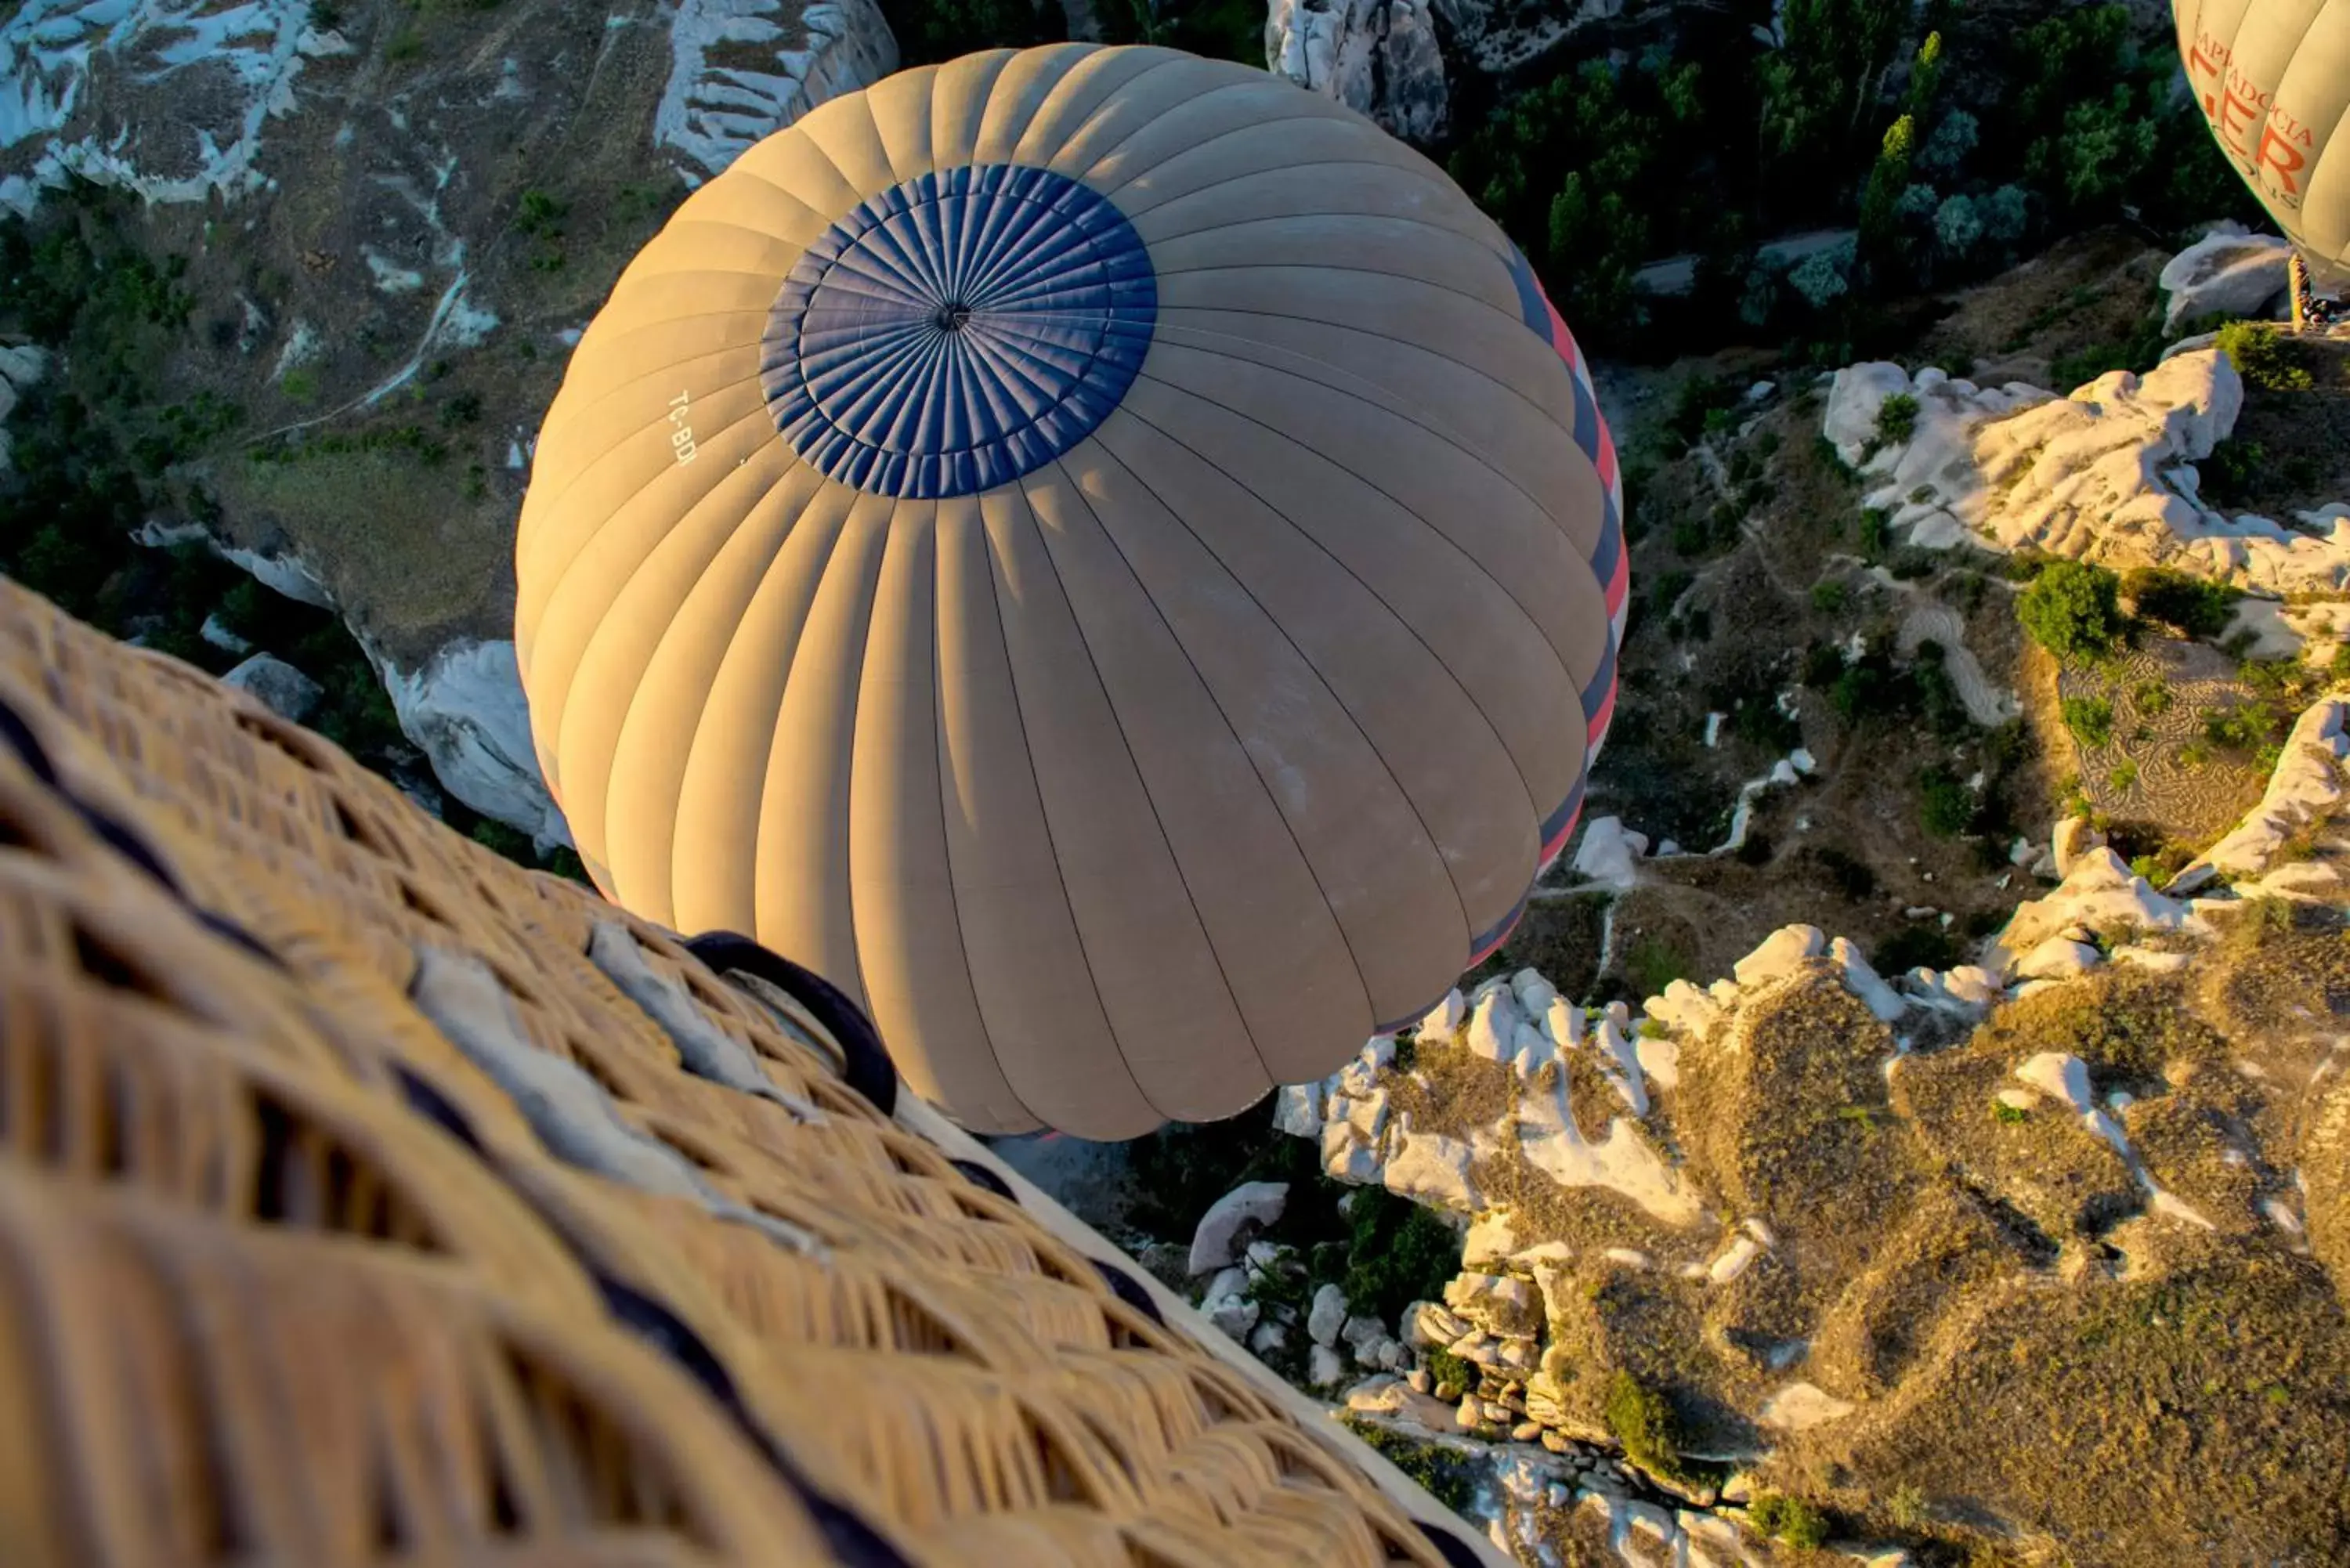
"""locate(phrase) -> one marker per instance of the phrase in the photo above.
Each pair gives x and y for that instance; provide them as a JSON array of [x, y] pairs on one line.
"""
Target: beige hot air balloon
[[2272, 77], [1107, 558]]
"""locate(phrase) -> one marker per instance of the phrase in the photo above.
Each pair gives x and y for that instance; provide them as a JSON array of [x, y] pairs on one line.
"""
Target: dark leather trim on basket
[[868, 1071], [979, 1175], [855, 1543], [25, 745], [1128, 1289], [20, 739], [1455, 1550], [426, 1100]]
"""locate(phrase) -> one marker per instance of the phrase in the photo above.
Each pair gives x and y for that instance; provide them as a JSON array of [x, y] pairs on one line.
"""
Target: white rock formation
[[20, 367], [2105, 475], [1624, 1162], [464, 709], [2071, 839], [1434, 1170], [2303, 796], [1608, 853], [2226, 273], [1249, 1206], [1379, 57], [228, 69], [1328, 1315], [2101, 898], [712, 110], [280, 687], [1799, 1406]]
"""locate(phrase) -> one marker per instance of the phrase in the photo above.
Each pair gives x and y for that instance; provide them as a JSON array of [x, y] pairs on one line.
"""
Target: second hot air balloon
[[2272, 78], [1106, 557]]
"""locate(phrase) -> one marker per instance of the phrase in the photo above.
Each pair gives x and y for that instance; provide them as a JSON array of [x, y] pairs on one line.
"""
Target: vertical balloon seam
[[1467, 697], [2259, 128], [566, 413], [1255, 84], [1142, 774], [1508, 592], [544, 538], [636, 671], [564, 576], [1167, 61], [1388, 399], [1239, 744], [774, 720], [1351, 329], [946, 838], [702, 714], [1436, 843]]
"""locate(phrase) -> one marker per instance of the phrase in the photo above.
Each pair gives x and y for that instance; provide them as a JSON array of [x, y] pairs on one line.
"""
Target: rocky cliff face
[[1884, 1244], [394, 219]]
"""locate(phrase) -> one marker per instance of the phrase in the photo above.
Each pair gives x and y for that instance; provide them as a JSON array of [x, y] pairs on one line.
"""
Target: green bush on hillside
[[2073, 610]]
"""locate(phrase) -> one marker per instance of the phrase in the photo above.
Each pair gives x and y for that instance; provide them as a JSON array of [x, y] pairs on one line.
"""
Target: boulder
[[1608, 852], [1782, 954], [1863, 982], [19, 369], [1493, 1027], [1326, 1315], [2225, 273], [280, 687], [1433, 1169], [1855, 397], [2305, 789], [1323, 1366], [1297, 1109], [1218, 1239], [464, 709], [1379, 57], [2071, 839], [2058, 957]]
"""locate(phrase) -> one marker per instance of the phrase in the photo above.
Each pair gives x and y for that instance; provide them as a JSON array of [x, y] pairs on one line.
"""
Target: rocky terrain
[[1911, 1119], [387, 221]]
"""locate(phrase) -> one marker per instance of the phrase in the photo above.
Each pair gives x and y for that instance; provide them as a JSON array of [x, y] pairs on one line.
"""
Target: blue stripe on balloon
[[958, 331]]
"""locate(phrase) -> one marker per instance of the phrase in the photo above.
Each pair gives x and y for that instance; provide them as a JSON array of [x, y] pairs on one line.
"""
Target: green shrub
[[2264, 359], [1654, 963], [2091, 720], [2007, 1115], [1446, 1370], [2073, 610], [2151, 698], [2189, 605], [2230, 475], [1446, 1476], [1398, 1253], [1945, 804], [1876, 529], [1828, 597], [2124, 778], [298, 386], [1791, 1520], [1897, 419], [1643, 1423]]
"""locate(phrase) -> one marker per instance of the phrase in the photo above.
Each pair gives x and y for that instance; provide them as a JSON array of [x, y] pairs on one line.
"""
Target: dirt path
[[1928, 621]]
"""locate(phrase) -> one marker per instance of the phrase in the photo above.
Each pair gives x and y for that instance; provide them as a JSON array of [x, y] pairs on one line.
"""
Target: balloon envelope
[[2272, 78], [1105, 556]]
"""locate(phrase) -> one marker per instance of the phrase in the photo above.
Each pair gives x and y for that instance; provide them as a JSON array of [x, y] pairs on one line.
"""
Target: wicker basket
[[365, 1198]]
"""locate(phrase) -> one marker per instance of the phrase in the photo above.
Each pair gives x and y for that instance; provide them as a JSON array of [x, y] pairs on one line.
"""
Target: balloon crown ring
[[958, 331]]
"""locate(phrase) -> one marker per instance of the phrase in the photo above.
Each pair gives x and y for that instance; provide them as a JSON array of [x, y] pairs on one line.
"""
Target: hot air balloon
[[2272, 77], [1106, 558]]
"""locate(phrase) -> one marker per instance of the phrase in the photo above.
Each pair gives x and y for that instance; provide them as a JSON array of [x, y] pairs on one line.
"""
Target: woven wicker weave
[[367, 1199]]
